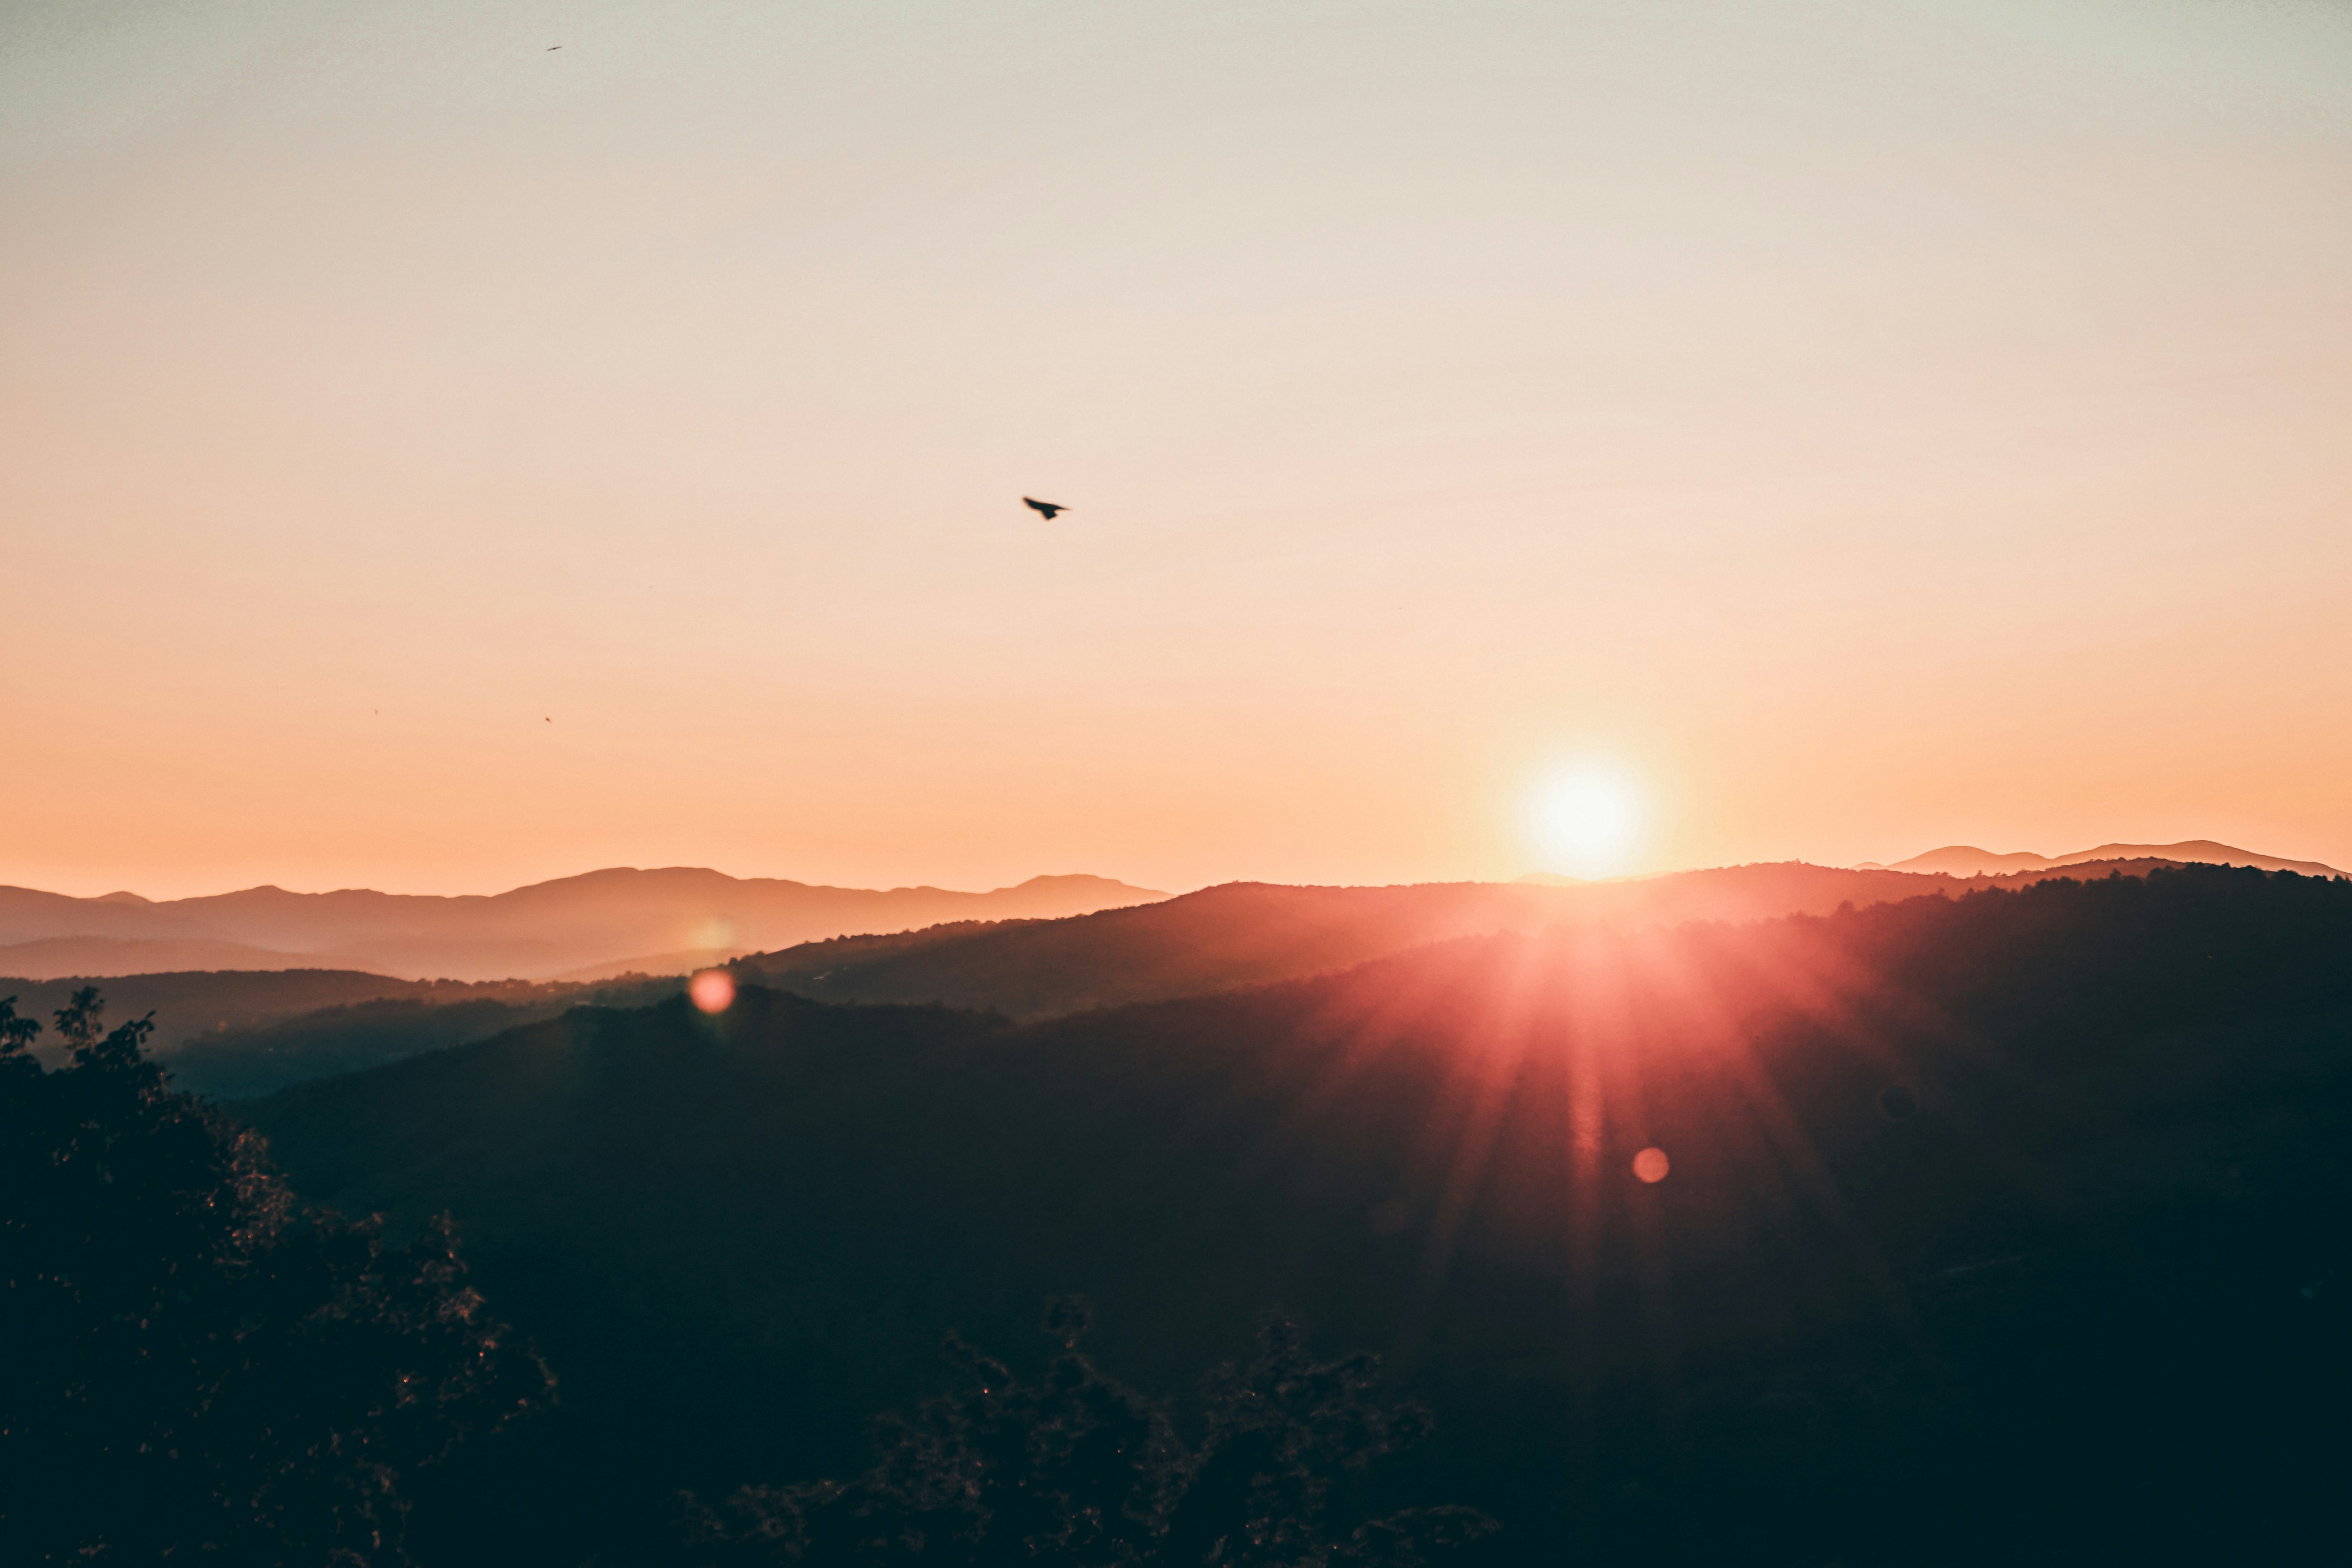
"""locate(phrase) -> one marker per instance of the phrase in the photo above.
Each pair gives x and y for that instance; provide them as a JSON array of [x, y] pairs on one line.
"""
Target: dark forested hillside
[[243, 1032], [1251, 933], [187, 1003], [1246, 933], [1999, 1226], [201, 1368], [236, 1063], [236, 1033]]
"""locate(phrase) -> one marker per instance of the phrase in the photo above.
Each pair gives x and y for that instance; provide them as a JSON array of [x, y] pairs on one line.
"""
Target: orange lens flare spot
[[1651, 1165], [713, 991]]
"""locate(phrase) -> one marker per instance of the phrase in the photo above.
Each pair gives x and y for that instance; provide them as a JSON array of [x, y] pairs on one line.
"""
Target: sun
[[1585, 819]]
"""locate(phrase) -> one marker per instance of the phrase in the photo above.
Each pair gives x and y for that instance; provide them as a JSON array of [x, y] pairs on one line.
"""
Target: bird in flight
[[552, 47], [1046, 507]]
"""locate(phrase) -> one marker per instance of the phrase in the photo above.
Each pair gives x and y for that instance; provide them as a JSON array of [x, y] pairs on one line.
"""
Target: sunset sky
[[434, 462]]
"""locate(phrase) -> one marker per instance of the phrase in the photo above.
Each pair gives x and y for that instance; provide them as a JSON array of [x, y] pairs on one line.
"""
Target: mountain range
[[610, 923], [1950, 1230], [1250, 933], [577, 928], [1968, 861], [1770, 1205], [226, 1025]]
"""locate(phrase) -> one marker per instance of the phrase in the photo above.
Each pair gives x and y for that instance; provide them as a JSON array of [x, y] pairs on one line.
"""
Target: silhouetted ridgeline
[[1999, 1227], [1247, 934], [243, 1032], [1968, 861], [577, 928], [189, 1003], [238, 1064], [236, 1033]]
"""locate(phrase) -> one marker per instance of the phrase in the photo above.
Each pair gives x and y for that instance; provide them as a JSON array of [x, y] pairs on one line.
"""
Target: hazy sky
[[1862, 426]]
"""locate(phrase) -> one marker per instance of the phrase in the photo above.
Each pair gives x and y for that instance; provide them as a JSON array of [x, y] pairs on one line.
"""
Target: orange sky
[[1865, 426]]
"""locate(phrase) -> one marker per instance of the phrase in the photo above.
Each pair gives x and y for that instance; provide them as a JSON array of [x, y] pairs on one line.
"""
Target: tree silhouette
[[1078, 1470], [196, 1365]]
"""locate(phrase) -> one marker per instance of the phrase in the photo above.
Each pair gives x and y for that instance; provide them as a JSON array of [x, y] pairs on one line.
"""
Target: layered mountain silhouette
[[586, 927], [614, 922], [199, 1002], [1248, 933], [234, 1033], [245, 1031], [1997, 1226], [1967, 860]]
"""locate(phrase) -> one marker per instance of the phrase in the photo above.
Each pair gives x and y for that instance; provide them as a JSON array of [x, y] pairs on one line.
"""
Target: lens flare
[[713, 990]]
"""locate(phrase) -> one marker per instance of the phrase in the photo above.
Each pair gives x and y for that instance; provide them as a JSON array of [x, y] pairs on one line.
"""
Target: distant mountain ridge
[[262, 1018], [1250, 933], [1968, 861], [595, 920]]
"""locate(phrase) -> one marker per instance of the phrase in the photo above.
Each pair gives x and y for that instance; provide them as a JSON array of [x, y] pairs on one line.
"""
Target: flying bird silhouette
[[1049, 508]]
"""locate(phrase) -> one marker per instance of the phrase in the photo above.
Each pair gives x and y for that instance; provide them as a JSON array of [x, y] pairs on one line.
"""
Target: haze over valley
[[604, 922]]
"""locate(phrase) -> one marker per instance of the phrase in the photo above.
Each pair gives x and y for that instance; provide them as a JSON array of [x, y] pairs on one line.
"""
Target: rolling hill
[[1967, 860], [242, 1061], [1247, 934], [238, 1033], [589, 923], [2000, 1226], [222, 1006]]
